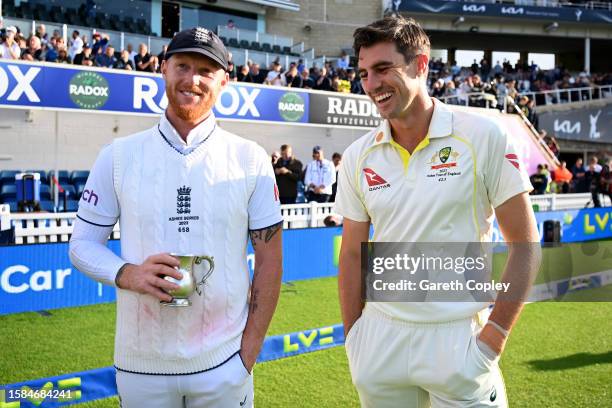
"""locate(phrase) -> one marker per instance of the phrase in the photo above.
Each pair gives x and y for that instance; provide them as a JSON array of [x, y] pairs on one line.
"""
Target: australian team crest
[[444, 164], [444, 154]]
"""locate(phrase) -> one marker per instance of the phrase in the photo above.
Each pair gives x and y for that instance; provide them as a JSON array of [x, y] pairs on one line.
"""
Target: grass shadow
[[572, 361]]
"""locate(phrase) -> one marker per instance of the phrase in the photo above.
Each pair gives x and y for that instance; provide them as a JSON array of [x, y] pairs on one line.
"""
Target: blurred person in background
[[106, 59], [292, 77], [323, 82], [337, 160], [9, 48], [76, 45], [307, 82], [124, 62], [580, 184], [319, 177], [144, 61], [34, 50], [244, 75], [562, 178], [256, 74], [275, 76], [85, 58], [288, 171]]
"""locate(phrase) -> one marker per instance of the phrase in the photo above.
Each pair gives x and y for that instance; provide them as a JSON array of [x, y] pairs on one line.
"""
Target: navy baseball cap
[[199, 40]]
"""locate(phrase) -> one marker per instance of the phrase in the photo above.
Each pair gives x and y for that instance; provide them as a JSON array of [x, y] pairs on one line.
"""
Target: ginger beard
[[191, 112]]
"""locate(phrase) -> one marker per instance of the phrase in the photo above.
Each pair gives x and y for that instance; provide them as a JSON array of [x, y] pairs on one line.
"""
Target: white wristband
[[499, 328]]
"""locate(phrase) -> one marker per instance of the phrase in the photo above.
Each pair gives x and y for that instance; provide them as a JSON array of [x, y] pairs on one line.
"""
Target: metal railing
[[118, 39], [31, 228], [600, 5], [555, 96], [250, 36]]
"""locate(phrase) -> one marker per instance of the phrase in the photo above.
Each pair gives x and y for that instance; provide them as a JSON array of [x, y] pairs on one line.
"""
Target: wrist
[[493, 338], [120, 273]]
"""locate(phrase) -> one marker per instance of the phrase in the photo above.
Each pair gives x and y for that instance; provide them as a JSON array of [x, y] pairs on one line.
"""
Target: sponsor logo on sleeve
[[513, 159]]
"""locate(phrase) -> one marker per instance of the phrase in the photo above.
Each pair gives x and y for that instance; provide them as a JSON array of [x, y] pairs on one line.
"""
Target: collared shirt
[[320, 173], [445, 191], [195, 137]]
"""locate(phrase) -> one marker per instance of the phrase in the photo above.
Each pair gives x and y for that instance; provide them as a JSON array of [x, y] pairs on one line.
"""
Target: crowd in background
[[520, 81], [457, 85], [591, 178]]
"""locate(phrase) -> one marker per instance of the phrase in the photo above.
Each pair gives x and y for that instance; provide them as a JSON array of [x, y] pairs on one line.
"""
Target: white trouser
[[228, 385], [395, 363]]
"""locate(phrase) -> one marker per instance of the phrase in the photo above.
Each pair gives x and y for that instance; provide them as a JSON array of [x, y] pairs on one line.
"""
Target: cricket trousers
[[400, 364], [227, 385]]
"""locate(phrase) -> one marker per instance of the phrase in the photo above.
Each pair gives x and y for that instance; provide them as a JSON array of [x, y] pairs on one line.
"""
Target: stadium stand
[[72, 185]]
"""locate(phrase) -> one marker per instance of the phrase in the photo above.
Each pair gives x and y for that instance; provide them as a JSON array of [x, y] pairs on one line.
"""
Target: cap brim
[[204, 52]]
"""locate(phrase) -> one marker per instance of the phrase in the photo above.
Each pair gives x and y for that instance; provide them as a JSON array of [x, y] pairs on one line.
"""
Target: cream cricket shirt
[[444, 192]]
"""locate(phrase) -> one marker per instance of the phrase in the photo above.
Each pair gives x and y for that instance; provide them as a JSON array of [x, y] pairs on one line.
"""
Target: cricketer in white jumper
[[185, 186]]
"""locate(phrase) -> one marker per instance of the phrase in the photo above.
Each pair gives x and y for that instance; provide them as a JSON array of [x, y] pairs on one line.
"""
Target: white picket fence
[[31, 228]]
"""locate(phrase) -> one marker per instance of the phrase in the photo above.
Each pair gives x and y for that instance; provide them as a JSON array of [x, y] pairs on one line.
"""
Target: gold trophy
[[194, 272]]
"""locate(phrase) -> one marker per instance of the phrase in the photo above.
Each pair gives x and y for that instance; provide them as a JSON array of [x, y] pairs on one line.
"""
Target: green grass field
[[559, 355]]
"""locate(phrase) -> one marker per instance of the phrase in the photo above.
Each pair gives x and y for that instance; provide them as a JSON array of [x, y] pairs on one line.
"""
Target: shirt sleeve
[[506, 175], [348, 198], [264, 203], [330, 174], [308, 175], [99, 205]]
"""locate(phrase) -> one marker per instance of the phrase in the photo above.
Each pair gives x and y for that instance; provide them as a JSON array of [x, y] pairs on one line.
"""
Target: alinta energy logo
[[291, 107], [88, 90]]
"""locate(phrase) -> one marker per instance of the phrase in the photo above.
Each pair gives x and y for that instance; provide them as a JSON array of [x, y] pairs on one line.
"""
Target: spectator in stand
[[323, 83], [606, 179], [474, 68], [50, 50], [230, 24], [288, 172], [335, 83], [274, 157], [231, 71], [562, 178], [243, 74], [593, 179], [300, 65], [107, 59], [34, 50], [41, 33], [343, 61], [132, 53], [485, 70], [438, 89], [84, 58], [450, 93], [356, 88], [144, 61], [579, 177], [307, 82], [124, 62], [292, 78], [539, 181], [10, 48], [551, 143], [76, 45], [257, 76], [319, 177], [162, 55], [275, 77], [523, 106], [99, 43], [62, 56], [336, 159]]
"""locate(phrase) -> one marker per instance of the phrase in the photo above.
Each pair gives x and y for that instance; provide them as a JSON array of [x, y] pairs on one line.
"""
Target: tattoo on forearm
[[265, 234]]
